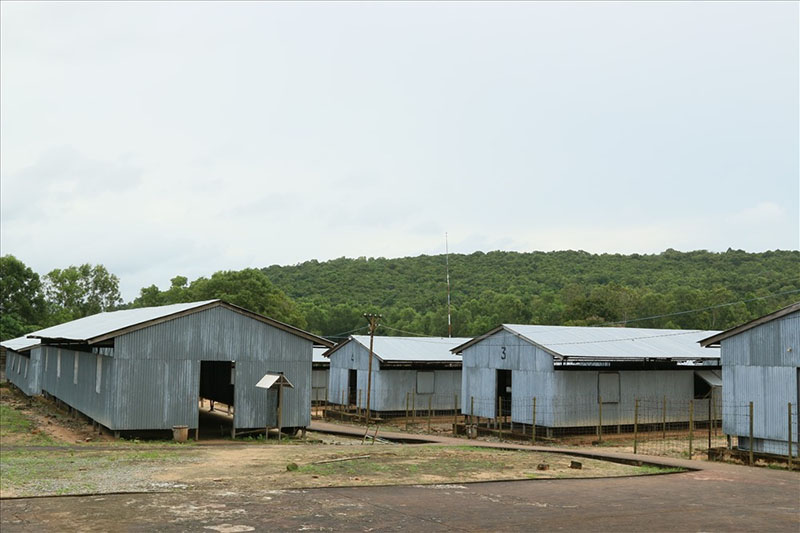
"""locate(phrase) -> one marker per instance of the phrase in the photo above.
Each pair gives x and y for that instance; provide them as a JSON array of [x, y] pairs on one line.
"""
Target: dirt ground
[[253, 485], [48, 424], [47, 452]]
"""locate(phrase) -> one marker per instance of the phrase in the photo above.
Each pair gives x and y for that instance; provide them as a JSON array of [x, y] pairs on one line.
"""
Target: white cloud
[[164, 139]]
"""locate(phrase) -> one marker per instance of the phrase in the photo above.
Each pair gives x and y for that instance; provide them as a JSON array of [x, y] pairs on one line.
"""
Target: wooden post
[[710, 399], [691, 426], [790, 436], [713, 408], [358, 407], [280, 411], [635, 425], [750, 457], [600, 419], [344, 401], [430, 401], [498, 420], [325, 408], [414, 406], [472, 409], [664, 420], [497, 414], [407, 395], [533, 422], [455, 412]]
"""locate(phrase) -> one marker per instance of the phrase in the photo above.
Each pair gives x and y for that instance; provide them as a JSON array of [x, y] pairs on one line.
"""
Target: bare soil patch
[[46, 452], [35, 421]]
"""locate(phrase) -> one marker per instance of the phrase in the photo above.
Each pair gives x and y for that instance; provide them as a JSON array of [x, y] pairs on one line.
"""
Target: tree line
[[487, 289]]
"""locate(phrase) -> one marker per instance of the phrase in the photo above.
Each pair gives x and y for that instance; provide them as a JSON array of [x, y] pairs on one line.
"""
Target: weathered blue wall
[[760, 365]]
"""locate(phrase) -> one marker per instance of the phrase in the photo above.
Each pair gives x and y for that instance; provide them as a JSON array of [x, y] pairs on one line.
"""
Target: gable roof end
[[714, 340]]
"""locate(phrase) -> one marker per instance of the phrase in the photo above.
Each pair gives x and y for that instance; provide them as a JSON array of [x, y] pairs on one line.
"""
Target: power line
[[343, 335], [403, 331], [699, 310]]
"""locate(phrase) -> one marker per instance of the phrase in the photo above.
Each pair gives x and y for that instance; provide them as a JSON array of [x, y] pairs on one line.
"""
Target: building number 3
[[502, 352]]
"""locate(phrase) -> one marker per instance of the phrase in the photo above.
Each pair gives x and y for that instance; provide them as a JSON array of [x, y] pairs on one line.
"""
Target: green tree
[[249, 288], [22, 304], [79, 291]]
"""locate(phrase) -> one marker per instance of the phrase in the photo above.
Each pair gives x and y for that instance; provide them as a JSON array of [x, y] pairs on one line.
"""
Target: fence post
[[533, 423], [325, 409], [664, 420], [430, 401], [710, 399], [472, 410], [599, 419], [414, 406], [713, 411], [455, 413], [407, 394], [790, 436], [750, 455], [691, 426], [358, 407], [635, 424], [497, 417]]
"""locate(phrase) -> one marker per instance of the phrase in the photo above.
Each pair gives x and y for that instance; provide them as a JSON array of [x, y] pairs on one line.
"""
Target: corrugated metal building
[[319, 375], [761, 364], [23, 364], [569, 370], [423, 366], [145, 369]]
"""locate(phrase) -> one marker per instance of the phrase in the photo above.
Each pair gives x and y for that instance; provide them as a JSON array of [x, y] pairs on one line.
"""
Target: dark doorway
[[216, 398], [352, 387], [504, 391]]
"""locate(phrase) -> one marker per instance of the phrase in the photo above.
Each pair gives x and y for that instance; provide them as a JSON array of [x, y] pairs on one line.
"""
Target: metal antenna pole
[[447, 271]]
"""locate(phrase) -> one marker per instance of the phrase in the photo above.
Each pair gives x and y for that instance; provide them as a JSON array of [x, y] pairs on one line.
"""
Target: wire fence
[[665, 426]]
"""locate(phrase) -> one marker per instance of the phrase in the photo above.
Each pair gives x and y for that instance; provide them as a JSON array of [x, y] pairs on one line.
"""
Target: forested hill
[[569, 288]]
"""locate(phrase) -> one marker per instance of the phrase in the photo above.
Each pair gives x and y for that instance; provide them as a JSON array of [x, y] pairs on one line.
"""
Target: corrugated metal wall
[[506, 351], [760, 365], [565, 398], [164, 360], [389, 385], [152, 379], [350, 356], [319, 385], [59, 380], [24, 370]]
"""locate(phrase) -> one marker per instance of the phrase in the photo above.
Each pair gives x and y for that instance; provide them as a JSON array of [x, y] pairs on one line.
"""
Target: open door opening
[[504, 391], [217, 387], [352, 387]]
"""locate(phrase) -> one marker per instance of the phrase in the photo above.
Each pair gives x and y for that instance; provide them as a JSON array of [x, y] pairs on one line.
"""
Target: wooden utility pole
[[373, 325]]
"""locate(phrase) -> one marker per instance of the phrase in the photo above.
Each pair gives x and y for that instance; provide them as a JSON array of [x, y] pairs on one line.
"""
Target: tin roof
[[102, 326], [714, 340], [409, 349], [20, 344], [609, 344], [317, 356]]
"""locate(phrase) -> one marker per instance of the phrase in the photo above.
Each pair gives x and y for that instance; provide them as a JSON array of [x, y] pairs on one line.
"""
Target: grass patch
[[14, 425], [38, 472], [652, 469]]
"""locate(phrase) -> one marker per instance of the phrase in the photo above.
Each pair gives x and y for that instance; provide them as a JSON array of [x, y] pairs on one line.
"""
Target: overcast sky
[[186, 138]]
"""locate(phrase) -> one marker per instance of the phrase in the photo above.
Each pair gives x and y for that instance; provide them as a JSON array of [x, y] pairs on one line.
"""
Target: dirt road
[[732, 498]]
